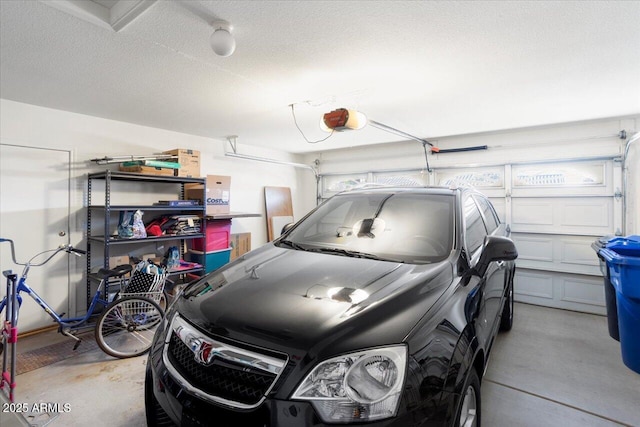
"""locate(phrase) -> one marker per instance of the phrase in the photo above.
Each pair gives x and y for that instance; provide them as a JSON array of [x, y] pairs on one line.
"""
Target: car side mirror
[[495, 248], [286, 228]]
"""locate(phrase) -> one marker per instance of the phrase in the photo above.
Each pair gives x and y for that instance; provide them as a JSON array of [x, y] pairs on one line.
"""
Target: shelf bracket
[[233, 142]]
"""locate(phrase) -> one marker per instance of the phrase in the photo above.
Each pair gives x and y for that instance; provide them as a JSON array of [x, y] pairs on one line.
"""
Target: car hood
[[295, 300]]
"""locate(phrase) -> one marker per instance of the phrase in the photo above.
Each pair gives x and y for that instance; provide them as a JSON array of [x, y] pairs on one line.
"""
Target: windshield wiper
[[292, 245], [354, 254]]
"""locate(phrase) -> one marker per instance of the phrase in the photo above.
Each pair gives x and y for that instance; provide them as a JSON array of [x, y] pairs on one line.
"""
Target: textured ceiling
[[429, 68]]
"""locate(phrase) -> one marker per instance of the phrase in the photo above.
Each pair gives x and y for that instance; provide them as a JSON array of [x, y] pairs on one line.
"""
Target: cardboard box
[[115, 261], [218, 193], [189, 162], [147, 170], [240, 244]]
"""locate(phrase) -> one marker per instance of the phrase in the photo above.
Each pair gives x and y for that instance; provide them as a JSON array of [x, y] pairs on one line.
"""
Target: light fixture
[[343, 119], [222, 41]]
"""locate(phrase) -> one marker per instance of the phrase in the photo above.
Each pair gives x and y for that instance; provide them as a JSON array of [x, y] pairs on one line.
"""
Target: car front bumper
[[187, 410]]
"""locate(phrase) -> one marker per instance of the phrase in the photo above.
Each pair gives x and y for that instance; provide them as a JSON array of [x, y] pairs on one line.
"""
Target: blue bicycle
[[124, 328]]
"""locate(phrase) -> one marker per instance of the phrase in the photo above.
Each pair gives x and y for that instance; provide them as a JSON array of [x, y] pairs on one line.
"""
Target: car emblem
[[203, 354]]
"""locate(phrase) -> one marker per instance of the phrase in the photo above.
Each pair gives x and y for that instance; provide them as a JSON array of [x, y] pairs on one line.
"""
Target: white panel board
[[533, 284], [584, 291], [561, 253], [530, 214], [560, 290], [588, 216]]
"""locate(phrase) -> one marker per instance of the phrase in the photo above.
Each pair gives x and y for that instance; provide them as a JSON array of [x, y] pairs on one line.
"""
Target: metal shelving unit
[[103, 208]]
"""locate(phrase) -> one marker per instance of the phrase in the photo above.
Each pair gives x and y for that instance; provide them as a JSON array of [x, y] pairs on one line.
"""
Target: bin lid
[[615, 257], [601, 242], [627, 246]]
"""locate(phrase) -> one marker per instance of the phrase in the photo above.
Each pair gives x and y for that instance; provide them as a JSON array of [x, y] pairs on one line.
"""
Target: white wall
[[90, 137]]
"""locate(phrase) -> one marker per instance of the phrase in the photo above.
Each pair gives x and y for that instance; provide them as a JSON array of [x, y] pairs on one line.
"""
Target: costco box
[[240, 244], [214, 259], [147, 170], [218, 193], [189, 162]]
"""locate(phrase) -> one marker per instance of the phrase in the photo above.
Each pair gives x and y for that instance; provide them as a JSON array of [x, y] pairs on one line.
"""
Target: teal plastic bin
[[212, 260], [623, 261]]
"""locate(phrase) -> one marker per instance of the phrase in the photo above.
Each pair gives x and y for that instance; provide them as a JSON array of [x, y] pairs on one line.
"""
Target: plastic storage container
[[623, 261], [609, 290], [213, 259], [218, 236]]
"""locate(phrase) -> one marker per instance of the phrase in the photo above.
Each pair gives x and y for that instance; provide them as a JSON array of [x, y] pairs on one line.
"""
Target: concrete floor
[[555, 368]]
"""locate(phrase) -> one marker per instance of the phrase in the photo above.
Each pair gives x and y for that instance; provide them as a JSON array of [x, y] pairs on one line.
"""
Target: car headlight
[[362, 386]]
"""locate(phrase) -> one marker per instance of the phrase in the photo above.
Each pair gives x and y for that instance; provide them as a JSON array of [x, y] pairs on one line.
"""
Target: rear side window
[[490, 217], [475, 230]]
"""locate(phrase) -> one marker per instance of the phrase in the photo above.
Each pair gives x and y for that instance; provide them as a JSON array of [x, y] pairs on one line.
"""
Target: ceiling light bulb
[[360, 119], [222, 41]]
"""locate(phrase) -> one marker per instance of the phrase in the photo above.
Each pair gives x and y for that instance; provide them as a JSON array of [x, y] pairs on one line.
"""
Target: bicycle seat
[[118, 271]]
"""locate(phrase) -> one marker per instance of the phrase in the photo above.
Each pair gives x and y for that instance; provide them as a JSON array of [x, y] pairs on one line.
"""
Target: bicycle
[[125, 327]]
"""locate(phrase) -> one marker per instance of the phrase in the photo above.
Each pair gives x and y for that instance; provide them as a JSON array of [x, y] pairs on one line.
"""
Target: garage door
[[556, 210]]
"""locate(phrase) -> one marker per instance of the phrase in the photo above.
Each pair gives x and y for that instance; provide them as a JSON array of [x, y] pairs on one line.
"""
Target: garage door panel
[[560, 290], [530, 248], [583, 291], [584, 216], [533, 284], [562, 253], [587, 213], [577, 251], [532, 214]]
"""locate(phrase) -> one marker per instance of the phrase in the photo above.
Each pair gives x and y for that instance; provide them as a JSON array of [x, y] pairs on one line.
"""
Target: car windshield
[[414, 228]]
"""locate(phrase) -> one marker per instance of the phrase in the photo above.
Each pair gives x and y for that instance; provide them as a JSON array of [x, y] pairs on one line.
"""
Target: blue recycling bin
[[609, 290], [623, 261]]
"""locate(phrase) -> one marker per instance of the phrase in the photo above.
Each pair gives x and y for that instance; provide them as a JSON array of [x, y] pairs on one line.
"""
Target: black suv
[[380, 307]]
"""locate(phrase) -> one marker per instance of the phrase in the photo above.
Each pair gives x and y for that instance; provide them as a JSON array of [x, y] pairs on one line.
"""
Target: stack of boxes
[[217, 251], [221, 246], [183, 162]]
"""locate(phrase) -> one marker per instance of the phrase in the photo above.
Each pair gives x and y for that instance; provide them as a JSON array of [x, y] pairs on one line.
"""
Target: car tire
[[156, 416], [506, 321], [469, 413]]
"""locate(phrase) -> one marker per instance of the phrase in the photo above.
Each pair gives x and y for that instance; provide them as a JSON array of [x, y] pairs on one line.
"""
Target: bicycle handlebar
[[66, 248]]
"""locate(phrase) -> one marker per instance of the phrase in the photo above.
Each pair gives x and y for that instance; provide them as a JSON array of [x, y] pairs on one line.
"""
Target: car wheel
[[469, 407], [156, 416], [507, 312]]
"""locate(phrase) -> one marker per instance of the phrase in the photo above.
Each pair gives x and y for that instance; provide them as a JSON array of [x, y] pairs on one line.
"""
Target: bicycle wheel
[[126, 327]]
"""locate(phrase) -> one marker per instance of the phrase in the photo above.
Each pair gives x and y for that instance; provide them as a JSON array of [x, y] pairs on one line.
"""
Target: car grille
[[236, 376], [227, 380]]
